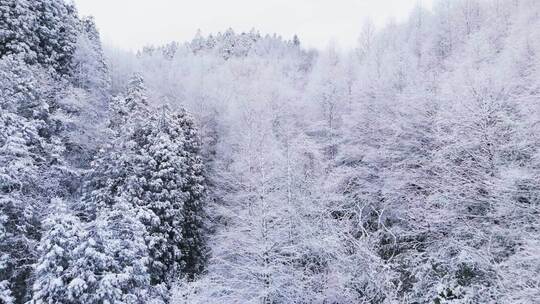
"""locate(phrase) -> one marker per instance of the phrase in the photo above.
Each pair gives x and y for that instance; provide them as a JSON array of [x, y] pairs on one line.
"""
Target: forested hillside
[[245, 168]]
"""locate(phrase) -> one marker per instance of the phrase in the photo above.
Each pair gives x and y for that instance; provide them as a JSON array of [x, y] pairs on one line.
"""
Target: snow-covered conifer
[[62, 234]]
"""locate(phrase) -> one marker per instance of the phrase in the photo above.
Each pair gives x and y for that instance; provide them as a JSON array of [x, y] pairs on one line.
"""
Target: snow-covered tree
[[155, 165], [57, 27], [63, 232], [40, 31], [5, 290], [23, 152], [168, 181], [131, 107], [18, 34], [89, 69], [110, 264]]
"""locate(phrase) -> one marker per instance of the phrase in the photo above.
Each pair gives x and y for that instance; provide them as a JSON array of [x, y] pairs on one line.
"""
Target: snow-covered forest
[[245, 168]]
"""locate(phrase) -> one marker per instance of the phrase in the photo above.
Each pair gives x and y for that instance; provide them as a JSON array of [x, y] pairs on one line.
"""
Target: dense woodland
[[244, 168]]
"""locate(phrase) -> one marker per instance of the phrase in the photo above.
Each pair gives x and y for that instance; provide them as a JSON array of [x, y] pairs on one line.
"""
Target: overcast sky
[[131, 24]]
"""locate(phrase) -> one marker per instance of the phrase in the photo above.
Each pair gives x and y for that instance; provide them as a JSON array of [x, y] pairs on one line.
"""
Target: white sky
[[131, 24]]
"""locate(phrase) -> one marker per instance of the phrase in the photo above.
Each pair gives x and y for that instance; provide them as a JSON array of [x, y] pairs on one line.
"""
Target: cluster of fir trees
[[37, 44], [140, 222], [100, 197]]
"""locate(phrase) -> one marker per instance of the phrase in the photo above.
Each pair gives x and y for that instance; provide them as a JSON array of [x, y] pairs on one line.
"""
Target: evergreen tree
[[113, 163], [53, 274], [17, 29], [57, 27], [5, 290], [27, 91], [227, 44], [101, 262], [296, 41], [40, 31], [194, 244], [210, 42], [155, 165], [110, 264], [127, 279], [20, 147], [131, 107], [168, 182], [197, 43]]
